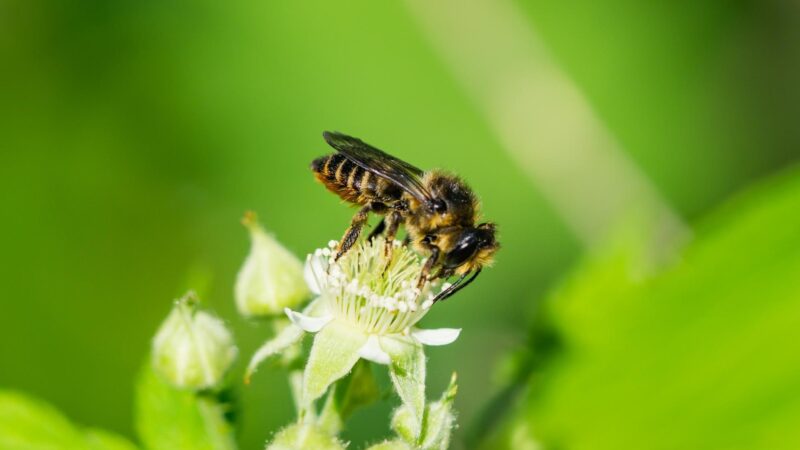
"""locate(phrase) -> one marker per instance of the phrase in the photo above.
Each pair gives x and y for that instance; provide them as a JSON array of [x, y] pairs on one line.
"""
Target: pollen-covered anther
[[372, 290]]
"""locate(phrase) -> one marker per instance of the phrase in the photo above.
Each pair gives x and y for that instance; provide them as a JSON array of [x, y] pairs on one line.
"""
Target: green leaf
[[171, 419], [333, 355], [407, 371], [103, 440], [30, 424], [698, 356]]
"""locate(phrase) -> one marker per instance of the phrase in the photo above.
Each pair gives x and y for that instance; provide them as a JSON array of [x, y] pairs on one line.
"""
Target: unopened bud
[[304, 437], [192, 349], [271, 278], [439, 422]]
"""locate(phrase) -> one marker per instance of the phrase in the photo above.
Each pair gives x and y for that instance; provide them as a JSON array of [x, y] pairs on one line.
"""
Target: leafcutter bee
[[438, 209]]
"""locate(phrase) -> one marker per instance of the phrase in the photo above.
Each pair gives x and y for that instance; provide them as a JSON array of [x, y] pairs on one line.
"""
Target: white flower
[[192, 349], [271, 278], [368, 293], [368, 307]]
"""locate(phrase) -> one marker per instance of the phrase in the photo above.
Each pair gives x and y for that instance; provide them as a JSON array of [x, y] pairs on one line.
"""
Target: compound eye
[[465, 248], [439, 206]]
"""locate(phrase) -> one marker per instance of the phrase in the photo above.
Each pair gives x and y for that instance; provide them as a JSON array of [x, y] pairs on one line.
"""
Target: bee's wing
[[408, 177]]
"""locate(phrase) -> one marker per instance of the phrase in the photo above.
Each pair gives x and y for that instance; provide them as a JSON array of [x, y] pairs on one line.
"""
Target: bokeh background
[[134, 135]]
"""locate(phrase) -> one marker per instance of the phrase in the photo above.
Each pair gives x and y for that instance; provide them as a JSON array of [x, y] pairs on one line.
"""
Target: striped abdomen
[[352, 183]]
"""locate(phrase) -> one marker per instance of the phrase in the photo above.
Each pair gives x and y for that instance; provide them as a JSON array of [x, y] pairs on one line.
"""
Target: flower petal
[[333, 355], [307, 323], [313, 270], [439, 336], [372, 351]]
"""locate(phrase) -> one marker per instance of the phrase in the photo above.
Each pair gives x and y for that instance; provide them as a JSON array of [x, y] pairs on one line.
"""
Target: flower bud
[[192, 349], [304, 437], [271, 278], [439, 422], [391, 445]]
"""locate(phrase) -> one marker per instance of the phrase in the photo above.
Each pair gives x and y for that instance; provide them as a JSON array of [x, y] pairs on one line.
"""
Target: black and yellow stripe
[[352, 182]]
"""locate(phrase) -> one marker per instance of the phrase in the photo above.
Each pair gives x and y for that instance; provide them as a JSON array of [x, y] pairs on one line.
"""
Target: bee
[[438, 210]]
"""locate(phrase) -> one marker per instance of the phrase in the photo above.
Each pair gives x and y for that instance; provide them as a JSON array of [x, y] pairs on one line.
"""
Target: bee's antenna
[[457, 286]]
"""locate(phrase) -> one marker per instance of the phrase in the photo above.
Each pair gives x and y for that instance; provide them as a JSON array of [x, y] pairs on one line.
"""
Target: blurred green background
[[135, 134]]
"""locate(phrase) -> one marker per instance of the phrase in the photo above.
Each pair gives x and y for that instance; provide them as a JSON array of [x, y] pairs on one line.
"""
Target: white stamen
[[365, 289]]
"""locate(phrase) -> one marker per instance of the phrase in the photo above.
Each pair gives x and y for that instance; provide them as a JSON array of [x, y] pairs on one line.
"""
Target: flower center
[[377, 293]]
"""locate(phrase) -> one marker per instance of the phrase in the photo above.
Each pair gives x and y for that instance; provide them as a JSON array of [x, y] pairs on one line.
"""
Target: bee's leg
[[351, 235], [426, 269], [393, 220], [377, 230]]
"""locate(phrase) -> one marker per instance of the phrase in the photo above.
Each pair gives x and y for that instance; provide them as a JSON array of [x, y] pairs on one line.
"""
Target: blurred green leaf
[[609, 273], [103, 440], [695, 357], [30, 424], [172, 419]]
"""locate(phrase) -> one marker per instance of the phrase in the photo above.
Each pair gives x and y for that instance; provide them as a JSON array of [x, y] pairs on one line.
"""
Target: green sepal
[[407, 371], [333, 355], [285, 339]]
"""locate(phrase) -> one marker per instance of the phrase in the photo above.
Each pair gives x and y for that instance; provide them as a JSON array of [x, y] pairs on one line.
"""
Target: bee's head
[[473, 248]]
